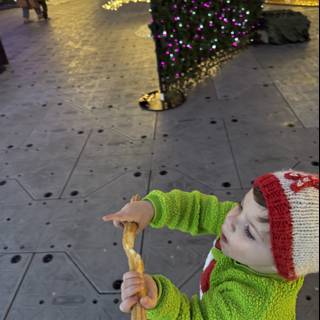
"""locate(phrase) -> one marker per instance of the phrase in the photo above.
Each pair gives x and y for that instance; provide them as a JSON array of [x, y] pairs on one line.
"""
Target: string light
[[117, 4], [190, 32], [202, 28]]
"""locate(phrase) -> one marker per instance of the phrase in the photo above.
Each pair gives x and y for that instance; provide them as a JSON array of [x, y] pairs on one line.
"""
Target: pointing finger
[[112, 217]]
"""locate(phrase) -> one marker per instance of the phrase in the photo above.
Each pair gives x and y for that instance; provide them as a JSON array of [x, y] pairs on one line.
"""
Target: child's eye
[[248, 233]]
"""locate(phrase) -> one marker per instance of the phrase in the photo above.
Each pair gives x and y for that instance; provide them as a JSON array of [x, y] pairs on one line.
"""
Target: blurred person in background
[[26, 5], [44, 7]]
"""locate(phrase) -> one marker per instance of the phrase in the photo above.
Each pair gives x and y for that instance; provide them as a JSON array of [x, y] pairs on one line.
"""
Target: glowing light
[[312, 3], [117, 4]]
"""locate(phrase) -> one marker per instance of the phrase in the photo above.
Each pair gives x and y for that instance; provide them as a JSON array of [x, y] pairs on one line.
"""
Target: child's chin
[[224, 250]]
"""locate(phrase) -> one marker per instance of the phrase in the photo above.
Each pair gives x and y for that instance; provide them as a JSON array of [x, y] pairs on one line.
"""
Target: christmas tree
[[193, 36]]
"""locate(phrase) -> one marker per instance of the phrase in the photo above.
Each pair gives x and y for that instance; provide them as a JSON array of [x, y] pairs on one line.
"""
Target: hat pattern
[[292, 199]]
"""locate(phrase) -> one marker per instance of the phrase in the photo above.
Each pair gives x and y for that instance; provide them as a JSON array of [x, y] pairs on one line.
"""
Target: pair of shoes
[[26, 21], [40, 17]]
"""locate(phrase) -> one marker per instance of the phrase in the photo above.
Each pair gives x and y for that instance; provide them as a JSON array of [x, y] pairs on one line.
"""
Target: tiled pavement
[[74, 145]]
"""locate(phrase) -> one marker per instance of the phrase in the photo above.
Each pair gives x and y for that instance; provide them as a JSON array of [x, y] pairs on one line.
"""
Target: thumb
[[147, 303]]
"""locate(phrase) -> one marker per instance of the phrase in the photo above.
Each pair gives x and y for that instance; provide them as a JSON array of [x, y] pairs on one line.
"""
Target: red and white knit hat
[[292, 200]]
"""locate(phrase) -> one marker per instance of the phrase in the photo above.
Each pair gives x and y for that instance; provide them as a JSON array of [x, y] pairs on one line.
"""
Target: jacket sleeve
[[191, 212], [229, 300]]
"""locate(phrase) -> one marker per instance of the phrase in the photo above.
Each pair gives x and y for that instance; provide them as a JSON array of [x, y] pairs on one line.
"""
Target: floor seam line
[[18, 287], [75, 165]]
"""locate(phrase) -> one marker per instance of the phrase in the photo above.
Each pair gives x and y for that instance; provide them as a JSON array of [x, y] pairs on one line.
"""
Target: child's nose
[[232, 220], [233, 226]]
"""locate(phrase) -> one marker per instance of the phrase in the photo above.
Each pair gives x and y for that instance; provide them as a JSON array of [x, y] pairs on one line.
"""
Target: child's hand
[[140, 212], [133, 283]]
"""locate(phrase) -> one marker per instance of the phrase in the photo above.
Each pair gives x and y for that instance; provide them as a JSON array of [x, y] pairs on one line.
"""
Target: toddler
[[265, 246]]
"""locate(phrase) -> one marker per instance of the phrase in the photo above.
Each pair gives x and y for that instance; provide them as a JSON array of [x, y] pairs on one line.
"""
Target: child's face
[[245, 235]]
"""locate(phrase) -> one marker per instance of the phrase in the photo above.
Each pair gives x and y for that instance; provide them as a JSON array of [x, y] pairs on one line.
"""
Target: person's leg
[[39, 13], [43, 4], [26, 15], [36, 6]]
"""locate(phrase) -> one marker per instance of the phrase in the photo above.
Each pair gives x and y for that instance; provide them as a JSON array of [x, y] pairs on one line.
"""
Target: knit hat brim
[[281, 225]]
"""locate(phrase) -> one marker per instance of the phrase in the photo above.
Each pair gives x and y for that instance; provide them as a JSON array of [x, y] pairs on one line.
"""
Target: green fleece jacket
[[236, 291]]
